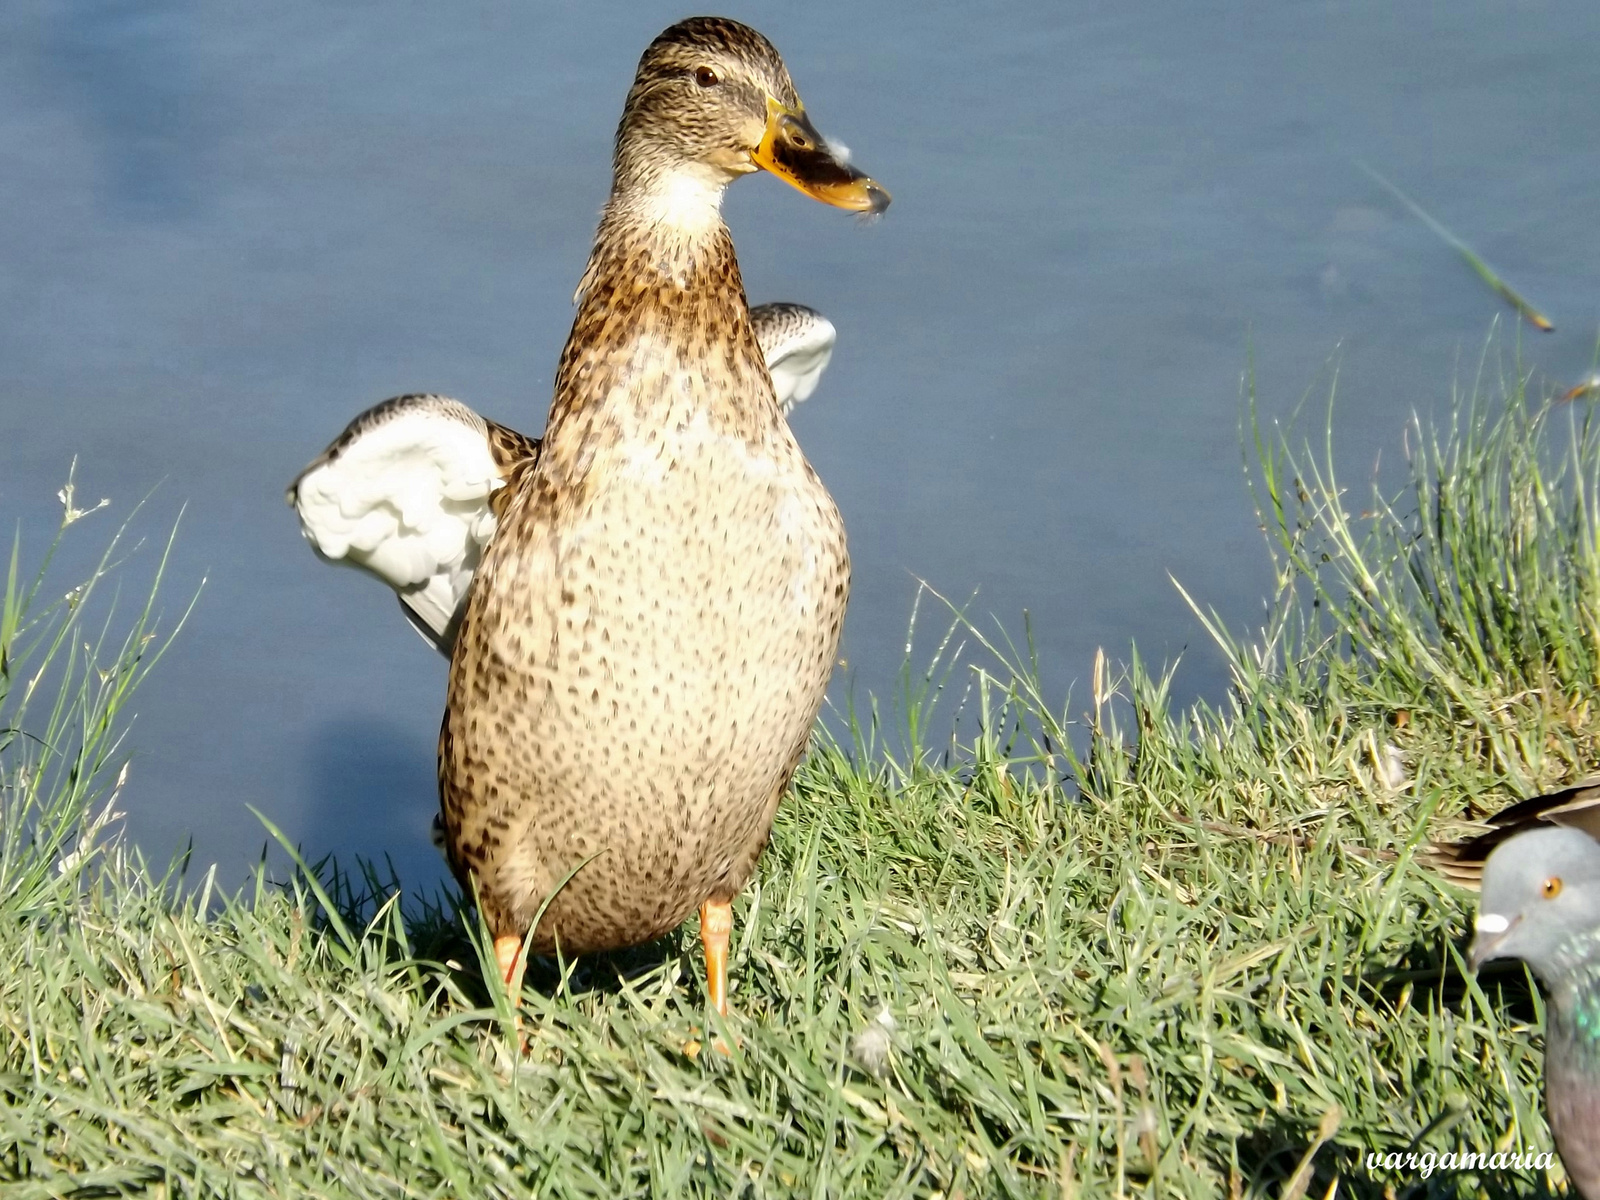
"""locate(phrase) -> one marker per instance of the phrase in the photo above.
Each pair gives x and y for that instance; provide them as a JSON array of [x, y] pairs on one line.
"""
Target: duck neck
[[662, 331], [660, 226], [683, 201]]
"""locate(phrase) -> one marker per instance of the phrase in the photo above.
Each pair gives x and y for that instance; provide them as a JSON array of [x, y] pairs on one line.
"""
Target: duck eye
[[1551, 888], [706, 77]]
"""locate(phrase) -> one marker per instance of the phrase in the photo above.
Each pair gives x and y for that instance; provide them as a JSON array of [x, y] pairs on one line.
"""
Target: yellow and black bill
[[795, 152]]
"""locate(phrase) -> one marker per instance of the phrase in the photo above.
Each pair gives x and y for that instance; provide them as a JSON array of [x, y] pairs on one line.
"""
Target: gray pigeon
[[1577, 806], [1541, 903]]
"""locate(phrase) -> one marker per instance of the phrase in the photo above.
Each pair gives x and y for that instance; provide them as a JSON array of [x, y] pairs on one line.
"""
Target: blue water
[[225, 228]]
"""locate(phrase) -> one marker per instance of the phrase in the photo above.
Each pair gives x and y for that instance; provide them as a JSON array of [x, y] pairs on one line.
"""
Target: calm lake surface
[[226, 228]]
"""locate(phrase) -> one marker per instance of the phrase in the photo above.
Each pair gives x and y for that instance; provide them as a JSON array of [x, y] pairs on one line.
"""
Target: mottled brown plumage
[[649, 635], [412, 490]]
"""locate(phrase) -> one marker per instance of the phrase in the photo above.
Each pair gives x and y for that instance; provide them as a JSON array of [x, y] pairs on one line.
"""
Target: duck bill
[[793, 150]]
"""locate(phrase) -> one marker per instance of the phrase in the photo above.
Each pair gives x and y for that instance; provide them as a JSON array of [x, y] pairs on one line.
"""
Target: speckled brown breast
[[650, 634]]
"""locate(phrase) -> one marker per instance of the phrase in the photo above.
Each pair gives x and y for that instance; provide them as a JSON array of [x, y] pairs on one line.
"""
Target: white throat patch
[[688, 202]]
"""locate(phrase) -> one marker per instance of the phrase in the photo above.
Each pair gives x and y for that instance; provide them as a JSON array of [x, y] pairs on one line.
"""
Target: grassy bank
[[1169, 966]]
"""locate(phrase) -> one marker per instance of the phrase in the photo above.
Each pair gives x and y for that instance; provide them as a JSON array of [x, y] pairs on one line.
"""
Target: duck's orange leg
[[512, 962], [716, 923]]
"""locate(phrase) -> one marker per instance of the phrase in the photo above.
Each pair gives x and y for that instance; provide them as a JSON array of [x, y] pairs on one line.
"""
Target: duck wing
[[408, 493], [797, 343]]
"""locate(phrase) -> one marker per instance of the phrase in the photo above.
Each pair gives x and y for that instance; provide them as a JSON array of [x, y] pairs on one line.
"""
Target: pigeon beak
[[1492, 932]]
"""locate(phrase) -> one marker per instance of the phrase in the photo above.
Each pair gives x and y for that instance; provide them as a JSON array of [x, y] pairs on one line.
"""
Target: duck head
[[713, 101]]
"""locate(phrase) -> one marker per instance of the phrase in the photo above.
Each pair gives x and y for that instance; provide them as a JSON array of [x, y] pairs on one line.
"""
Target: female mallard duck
[[649, 634], [409, 491]]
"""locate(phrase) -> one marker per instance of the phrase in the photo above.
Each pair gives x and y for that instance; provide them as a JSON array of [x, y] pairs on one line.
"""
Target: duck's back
[[650, 634]]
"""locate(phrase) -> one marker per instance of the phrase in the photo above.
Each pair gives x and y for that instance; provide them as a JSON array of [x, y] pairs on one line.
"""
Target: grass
[[1483, 270], [1150, 951]]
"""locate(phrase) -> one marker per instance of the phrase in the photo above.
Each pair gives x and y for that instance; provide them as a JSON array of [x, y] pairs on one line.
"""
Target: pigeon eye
[[706, 77], [1551, 888]]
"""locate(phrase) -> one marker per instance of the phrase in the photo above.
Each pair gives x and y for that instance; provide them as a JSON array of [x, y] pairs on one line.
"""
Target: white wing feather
[[797, 342], [404, 495], [403, 492]]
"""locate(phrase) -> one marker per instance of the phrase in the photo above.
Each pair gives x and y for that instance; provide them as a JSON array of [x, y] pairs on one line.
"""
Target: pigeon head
[[1540, 901]]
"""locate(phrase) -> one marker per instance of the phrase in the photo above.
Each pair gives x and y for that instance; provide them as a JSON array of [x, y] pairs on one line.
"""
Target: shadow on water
[[372, 794]]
